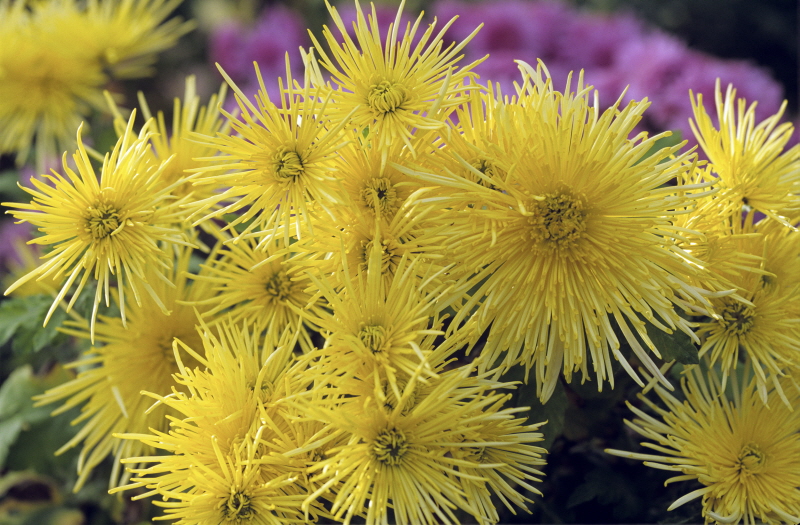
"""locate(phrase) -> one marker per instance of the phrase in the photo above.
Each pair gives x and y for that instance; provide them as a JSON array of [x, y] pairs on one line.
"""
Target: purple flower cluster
[[277, 31], [615, 52]]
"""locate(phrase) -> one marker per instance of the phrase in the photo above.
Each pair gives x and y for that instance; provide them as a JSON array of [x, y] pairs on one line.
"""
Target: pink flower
[[277, 31]]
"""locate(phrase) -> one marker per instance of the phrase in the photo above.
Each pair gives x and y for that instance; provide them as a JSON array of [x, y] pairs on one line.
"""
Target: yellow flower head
[[749, 158], [106, 228], [718, 240], [47, 82], [113, 375], [394, 87], [377, 333], [58, 54], [277, 163], [763, 320], [745, 455], [417, 459], [125, 36], [224, 462], [265, 288], [579, 240]]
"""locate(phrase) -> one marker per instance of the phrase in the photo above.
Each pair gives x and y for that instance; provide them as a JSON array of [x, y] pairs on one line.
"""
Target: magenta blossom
[[277, 31]]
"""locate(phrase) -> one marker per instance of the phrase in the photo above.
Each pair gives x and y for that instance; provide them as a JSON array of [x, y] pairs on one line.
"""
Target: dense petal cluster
[[367, 256], [106, 228], [744, 453], [58, 55]]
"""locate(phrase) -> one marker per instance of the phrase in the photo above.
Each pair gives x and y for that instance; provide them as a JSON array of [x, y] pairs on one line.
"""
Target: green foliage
[[554, 411], [608, 488], [674, 347], [9, 187], [21, 320], [17, 413]]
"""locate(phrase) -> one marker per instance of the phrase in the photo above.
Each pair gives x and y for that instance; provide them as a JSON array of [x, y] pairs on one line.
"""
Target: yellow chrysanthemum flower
[[395, 87], [746, 455], [107, 228], [47, 83], [111, 377], [58, 54], [125, 36], [579, 241], [503, 460], [764, 320], [263, 288], [372, 186], [416, 460], [749, 158], [223, 461], [277, 165], [476, 148], [718, 240], [377, 333]]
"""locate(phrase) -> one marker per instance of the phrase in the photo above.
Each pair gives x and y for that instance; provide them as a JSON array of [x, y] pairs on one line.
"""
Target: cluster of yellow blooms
[[359, 235]]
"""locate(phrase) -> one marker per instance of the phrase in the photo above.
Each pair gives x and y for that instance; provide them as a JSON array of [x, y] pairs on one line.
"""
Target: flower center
[[390, 446], [102, 220], [558, 221], [287, 164], [488, 168], [279, 286], [386, 97], [737, 317], [373, 337], [380, 196], [238, 507], [390, 255], [751, 459]]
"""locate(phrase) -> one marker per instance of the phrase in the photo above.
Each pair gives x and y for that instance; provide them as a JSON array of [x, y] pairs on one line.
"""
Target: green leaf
[[608, 488], [13, 312], [553, 411], [8, 186], [17, 412], [664, 142], [9, 431], [676, 346], [21, 320]]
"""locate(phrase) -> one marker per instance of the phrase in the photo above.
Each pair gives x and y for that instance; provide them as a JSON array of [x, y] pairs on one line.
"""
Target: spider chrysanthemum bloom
[[746, 455], [395, 86], [477, 148], [371, 185], [112, 375], [763, 320], [416, 457], [414, 232], [579, 241], [376, 332], [47, 82], [276, 165], [108, 228], [125, 36], [722, 244], [58, 54], [499, 458], [263, 288], [749, 157], [224, 463]]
